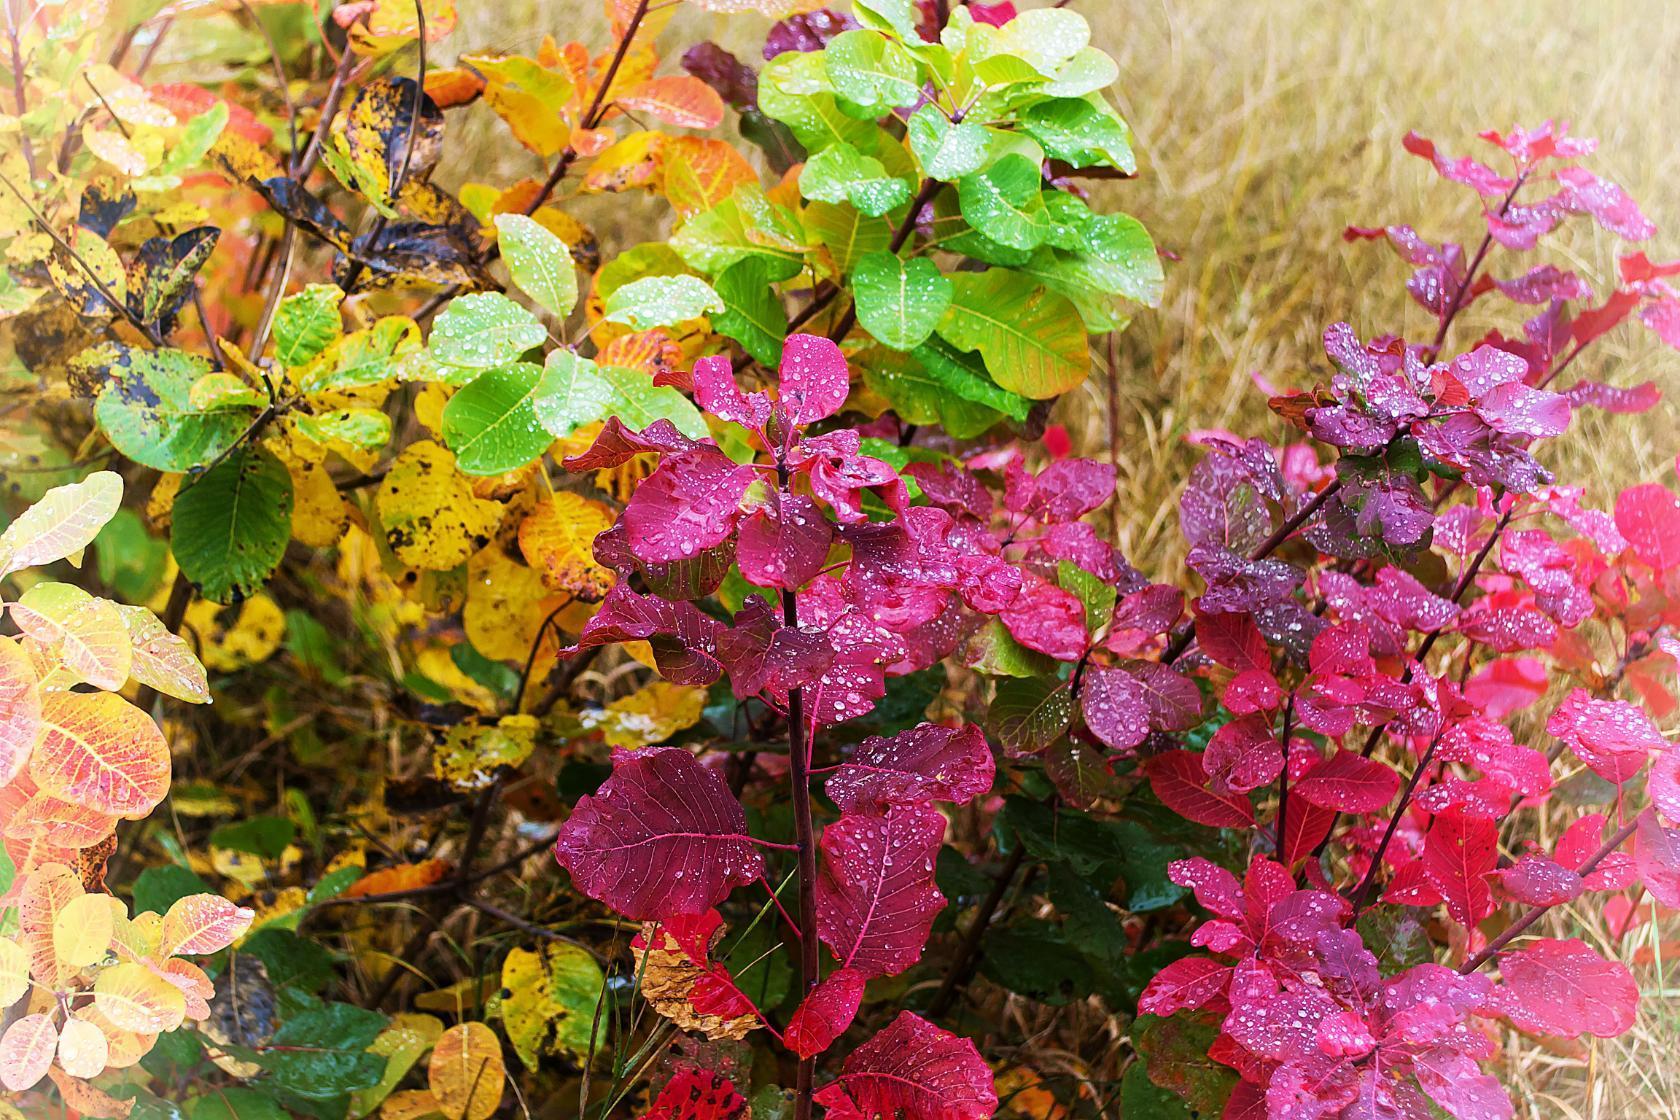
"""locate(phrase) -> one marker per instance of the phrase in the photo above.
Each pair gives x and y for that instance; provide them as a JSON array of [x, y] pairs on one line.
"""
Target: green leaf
[[1089, 923], [483, 330], [491, 424], [845, 233], [1035, 959], [1142, 1098], [794, 88], [900, 302], [993, 650], [306, 324], [746, 224], [322, 1053], [640, 402], [1030, 713], [235, 1104], [145, 408], [946, 151], [659, 301], [1005, 202], [920, 396], [841, 173], [361, 358], [195, 140], [572, 393], [1175, 1054], [156, 889], [752, 315], [1096, 594], [260, 836], [964, 375], [295, 964], [539, 262], [1044, 38], [231, 524], [1083, 132], [364, 428], [1033, 340], [550, 998], [872, 72]]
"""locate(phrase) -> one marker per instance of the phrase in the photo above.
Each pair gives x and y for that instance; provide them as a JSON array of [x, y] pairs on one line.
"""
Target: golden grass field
[[1265, 128]]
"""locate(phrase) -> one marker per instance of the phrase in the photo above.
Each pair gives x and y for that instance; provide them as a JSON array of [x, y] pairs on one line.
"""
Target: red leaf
[[1456, 1083], [926, 763], [911, 1071], [825, 1013], [1243, 755], [1188, 982], [876, 900], [1658, 859], [1611, 736], [1535, 880], [697, 1094], [1564, 988], [1047, 618], [1233, 640], [1179, 781], [1349, 783], [1305, 826], [688, 505], [1507, 685], [1457, 855], [662, 837], [784, 545]]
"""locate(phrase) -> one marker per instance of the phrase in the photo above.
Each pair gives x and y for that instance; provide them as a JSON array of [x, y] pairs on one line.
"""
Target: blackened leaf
[[161, 275]]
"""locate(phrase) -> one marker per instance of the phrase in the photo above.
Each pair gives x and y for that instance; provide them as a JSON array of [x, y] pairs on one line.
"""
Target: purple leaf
[[1115, 707], [926, 763], [684, 640], [661, 838], [617, 444], [761, 654], [808, 32]]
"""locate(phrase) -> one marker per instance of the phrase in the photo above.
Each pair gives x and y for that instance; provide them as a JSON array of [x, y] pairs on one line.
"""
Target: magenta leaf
[[715, 391], [1648, 515], [814, 379], [1610, 205], [761, 654], [684, 640], [1348, 783], [686, 506], [1611, 736], [876, 899], [912, 1070], [662, 837], [1047, 618], [1535, 880], [926, 763], [1657, 854], [785, 545], [1188, 982], [1456, 1083], [1564, 988], [825, 1012], [1612, 398], [1470, 172]]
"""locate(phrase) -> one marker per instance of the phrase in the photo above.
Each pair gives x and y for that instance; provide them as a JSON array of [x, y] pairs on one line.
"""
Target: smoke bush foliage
[[787, 474]]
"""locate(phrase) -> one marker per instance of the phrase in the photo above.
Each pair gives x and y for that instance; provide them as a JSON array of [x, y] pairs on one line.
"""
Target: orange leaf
[[631, 163], [49, 889], [466, 1072], [678, 99], [557, 540], [31, 814], [26, 1050], [452, 87], [403, 877], [100, 751], [700, 172]]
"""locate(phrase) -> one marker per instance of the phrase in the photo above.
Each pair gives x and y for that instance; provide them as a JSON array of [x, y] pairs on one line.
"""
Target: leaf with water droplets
[[688, 505], [813, 377], [662, 837], [825, 1013], [926, 763], [876, 898], [900, 302], [483, 330], [914, 1071], [1564, 988], [62, 523]]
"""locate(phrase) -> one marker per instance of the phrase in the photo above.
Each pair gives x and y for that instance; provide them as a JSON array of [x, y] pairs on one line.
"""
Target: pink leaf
[[926, 763], [785, 545], [1535, 880], [1564, 988], [1188, 982], [662, 837], [686, 506], [876, 899], [1658, 857], [26, 1050], [1115, 709], [1648, 515], [617, 445], [1348, 783], [825, 1013], [911, 1071], [1047, 618], [763, 655], [814, 378], [1611, 736], [1508, 685], [684, 640], [1456, 1083], [1215, 887], [715, 391]]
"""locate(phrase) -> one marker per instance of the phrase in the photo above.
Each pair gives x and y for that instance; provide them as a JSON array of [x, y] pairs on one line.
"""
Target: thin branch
[[19, 92], [968, 953]]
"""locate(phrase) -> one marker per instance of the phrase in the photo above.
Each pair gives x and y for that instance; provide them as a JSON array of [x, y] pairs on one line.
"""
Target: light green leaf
[[1086, 72], [230, 525], [195, 140], [572, 393], [1005, 202], [946, 151], [659, 301], [1033, 340], [483, 330], [146, 410], [364, 428], [841, 173], [871, 71], [306, 324], [491, 424], [900, 302], [845, 233], [640, 402], [1082, 132], [540, 263]]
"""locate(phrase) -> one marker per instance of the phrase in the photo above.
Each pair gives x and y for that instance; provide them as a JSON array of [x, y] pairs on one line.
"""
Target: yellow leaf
[[100, 751], [115, 149], [410, 1104], [163, 660], [135, 998], [46, 893], [632, 163], [506, 605], [62, 523], [558, 539], [86, 633], [470, 755], [403, 877], [466, 1072], [231, 638], [652, 714], [319, 513], [401, 1043], [427, 509], [549, 1000], [14, 971], [82, 931], [203, 923]]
